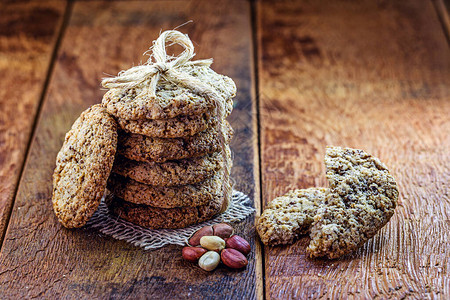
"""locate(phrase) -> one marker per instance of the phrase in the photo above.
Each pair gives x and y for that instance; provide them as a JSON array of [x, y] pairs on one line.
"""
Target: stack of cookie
[[172, 151]]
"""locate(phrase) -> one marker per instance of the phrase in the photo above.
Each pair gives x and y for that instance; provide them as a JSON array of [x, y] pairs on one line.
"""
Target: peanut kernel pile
[[211, 245]]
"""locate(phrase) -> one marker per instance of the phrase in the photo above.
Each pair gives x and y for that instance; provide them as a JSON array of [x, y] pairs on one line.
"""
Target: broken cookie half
[[291, 215], [360, 200]]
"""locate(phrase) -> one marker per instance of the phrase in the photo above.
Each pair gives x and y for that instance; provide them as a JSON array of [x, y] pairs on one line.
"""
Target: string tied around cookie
[[175, 69], [163, 64]]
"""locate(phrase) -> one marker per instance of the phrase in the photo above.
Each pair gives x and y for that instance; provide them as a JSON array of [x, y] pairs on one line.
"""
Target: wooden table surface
[[366, 74]]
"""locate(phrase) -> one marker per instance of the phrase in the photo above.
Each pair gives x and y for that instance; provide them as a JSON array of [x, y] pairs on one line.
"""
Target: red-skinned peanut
[[233, 258], [192, 254], [238, 243], [222, 230], [194, 240]]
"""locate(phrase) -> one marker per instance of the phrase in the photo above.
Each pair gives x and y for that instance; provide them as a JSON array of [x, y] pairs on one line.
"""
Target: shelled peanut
[[211, 245]]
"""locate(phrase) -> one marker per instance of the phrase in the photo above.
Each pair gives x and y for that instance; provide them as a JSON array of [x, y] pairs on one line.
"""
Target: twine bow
[[165, 65], [175, 69]]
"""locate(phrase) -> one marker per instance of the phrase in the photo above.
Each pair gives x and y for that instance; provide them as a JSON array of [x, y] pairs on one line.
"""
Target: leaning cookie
[[170, 128], [147, 149], [171, 100], [289, 216], [363, 196], [83, 165], [171, 173], [156, 218]]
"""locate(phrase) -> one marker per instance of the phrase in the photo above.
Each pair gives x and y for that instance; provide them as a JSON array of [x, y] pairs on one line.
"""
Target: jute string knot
[[163, 65], [175, 69]]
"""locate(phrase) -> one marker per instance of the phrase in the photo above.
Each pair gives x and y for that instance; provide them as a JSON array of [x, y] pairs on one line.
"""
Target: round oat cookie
[[156, 218], [171, 100], [170, 128], [170, 173], [83, 165], [287, 217], [143, 148], [362, 198], [166, 197]]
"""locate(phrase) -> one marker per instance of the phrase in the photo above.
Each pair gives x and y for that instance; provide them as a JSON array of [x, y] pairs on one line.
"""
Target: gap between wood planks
[[51, 65], [260, 246], [444, 19]]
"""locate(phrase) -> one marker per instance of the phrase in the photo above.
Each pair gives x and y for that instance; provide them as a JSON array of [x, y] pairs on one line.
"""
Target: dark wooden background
[[373, 75]]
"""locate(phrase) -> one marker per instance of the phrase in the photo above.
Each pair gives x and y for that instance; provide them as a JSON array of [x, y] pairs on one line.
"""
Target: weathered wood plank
[[370, 75], [28, 33], [39, 257], [443, 11]]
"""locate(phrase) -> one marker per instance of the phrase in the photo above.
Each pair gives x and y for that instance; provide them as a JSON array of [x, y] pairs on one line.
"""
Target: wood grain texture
[[371, 75], [28, 33], [42, 259], [447, 5], [443, 10]]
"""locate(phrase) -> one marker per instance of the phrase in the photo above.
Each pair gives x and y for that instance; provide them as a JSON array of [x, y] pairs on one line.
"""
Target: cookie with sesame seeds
[[186, 125], [362, 198], [171, 173], [287, 217], [147, 149], [83, 166], [175, 217], [171, 100]]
